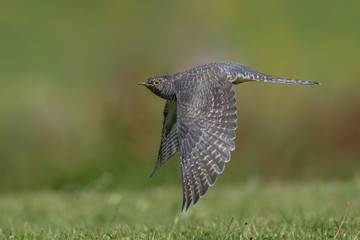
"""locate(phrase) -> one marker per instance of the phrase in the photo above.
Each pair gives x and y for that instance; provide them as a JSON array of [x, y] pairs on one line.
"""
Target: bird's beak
[[145, 83]]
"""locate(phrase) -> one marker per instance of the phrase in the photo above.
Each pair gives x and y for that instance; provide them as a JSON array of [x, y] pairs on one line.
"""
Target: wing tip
[[187, 203]]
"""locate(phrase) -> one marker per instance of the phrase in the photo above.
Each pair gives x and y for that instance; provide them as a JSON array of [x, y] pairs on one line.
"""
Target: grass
[[253, 210]]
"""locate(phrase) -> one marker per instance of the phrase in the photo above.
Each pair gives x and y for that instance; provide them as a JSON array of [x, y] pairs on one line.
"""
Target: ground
[[252, 210]]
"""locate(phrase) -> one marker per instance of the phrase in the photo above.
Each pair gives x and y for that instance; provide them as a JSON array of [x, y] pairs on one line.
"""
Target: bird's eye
[[156, 82]]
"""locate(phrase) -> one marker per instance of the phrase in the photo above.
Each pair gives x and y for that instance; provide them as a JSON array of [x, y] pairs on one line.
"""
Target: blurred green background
[[72, 115]]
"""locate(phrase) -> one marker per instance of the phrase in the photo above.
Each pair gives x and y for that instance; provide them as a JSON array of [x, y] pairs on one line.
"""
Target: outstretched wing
[[169, 138], [206, 127]]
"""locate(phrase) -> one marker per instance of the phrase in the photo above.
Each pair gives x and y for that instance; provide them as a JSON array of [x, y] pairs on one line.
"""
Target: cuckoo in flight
[[199, 120]]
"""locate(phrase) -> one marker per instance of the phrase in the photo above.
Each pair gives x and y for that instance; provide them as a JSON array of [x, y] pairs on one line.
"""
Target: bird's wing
[[206, 127], [169, 138]]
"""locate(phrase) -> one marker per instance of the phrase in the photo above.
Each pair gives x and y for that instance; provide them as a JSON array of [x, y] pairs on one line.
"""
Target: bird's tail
[[240, 78], [284, 80], [239, 73]]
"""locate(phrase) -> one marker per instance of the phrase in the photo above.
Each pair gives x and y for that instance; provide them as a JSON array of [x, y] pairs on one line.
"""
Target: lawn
[[252, 210]]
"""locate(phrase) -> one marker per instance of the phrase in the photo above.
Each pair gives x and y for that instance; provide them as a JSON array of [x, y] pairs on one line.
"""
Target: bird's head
[[162, 86]]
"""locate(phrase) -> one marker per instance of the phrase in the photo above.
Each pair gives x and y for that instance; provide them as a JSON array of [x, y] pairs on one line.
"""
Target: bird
[[200, 118]]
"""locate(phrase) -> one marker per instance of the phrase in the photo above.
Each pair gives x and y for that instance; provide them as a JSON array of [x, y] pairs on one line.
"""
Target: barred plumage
[[200, 118]]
